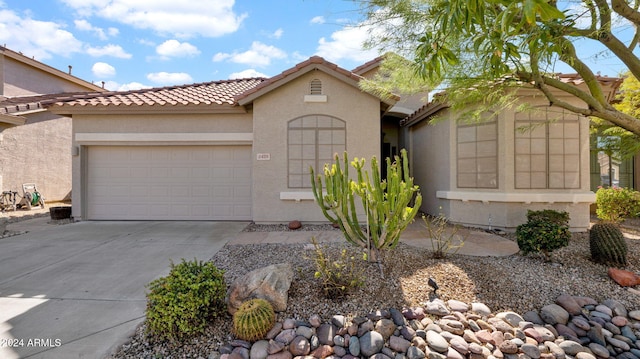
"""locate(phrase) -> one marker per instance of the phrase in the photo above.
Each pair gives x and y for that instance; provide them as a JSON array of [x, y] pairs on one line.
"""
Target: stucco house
[[488, 174], [35, 144], [241, 150]]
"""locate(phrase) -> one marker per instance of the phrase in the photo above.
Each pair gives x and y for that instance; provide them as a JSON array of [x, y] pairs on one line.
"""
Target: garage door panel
[[169, 183]]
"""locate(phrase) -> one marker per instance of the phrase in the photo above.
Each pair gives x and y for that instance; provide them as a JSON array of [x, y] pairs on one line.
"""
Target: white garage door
[[169, 183]]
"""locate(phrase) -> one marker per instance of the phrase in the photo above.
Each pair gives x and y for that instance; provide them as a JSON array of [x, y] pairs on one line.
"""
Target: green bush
[[181, 304], [544, 232], [615, 203]]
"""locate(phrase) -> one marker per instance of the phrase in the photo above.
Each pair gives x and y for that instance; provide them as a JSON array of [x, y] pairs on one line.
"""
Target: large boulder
[[270, 283]]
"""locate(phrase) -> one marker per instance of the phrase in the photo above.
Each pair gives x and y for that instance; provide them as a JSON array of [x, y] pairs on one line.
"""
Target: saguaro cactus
[[385, 203]]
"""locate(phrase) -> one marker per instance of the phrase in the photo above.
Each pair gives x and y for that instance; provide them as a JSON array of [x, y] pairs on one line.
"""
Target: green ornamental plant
[[386, 203], [544, 232], [181, 304], [614, 204]]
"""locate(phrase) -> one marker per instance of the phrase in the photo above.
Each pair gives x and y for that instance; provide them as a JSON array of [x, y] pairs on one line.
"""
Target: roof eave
[[51, 70], [12, 120], [70, 110], [423, 113]]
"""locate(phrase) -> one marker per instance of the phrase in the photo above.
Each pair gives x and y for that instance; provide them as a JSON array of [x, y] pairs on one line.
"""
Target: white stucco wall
[[273, 111]]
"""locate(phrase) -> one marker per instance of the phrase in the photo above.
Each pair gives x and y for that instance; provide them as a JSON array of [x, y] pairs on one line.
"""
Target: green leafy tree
[[482, 49]]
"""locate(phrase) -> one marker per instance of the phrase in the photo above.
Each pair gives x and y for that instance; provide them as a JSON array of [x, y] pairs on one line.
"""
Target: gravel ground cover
[[515, 283]]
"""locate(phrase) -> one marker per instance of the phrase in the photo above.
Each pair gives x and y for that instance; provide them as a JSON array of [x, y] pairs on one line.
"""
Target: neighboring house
[[241, 150], [35, 145], [489, 174]]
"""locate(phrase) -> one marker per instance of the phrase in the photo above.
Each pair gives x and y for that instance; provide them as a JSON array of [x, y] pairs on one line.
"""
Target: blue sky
[[131, 44], [147, 43]]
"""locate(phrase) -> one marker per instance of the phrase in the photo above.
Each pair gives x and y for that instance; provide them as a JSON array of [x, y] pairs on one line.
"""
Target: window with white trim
[[312, 141], [547, 149]]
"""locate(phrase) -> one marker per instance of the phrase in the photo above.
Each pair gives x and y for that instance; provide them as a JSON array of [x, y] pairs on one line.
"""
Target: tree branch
[[623, 9]]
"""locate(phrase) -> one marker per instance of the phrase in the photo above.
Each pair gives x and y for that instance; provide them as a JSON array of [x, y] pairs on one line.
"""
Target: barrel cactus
[[253, 320], [607, 244]]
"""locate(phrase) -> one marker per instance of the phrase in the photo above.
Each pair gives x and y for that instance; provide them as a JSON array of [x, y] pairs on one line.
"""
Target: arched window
[[312, 141], [315, 87]]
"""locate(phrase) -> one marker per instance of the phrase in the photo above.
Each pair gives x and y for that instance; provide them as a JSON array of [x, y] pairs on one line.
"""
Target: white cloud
[[84, 25], [182, 19], [318, 20], [246, 74], [112, 31], [103, 70], [109, 50], [170, 78], [347, 44], [131, 86], [39, 39], [259, 55], [174, 48], [277, 34]]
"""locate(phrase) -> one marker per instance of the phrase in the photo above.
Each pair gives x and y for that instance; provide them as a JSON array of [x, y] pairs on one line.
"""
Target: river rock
[[554, 314], [569, 304], [299, 346], [370, 343], [437, 342], [570, 347]]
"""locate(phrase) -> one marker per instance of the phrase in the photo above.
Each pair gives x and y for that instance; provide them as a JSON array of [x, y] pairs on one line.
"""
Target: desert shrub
[[444, 237], [615, 203], [339, 275], [181, 304], [544, 232]]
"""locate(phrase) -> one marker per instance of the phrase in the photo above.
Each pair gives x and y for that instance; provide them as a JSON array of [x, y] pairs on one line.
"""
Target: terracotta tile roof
[[209, 93], [369, 65], [575, 79]]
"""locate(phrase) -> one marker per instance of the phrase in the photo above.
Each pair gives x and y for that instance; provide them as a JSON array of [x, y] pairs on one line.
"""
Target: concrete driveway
[[78, 290]]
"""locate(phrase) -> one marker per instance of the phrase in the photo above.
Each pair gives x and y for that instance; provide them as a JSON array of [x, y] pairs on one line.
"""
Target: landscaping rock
[[270, 283]]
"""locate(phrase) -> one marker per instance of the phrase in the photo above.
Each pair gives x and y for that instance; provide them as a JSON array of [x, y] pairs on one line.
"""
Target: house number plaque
[[264, 157]]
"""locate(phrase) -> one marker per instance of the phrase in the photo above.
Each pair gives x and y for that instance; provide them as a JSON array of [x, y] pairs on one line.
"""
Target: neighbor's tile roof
[[209, 93], [17, 104]]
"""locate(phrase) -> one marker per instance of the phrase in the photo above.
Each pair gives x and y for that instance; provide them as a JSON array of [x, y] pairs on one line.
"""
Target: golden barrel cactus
[[253, 320]]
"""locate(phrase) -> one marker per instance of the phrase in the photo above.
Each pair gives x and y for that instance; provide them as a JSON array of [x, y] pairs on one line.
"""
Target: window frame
[[545, 145], [325, 137]]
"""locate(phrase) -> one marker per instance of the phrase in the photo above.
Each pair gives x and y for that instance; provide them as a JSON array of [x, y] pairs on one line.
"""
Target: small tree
[[386, 203]]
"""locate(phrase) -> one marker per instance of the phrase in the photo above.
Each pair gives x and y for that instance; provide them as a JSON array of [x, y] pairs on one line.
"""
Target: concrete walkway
[[78, 290], [476, 242]]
